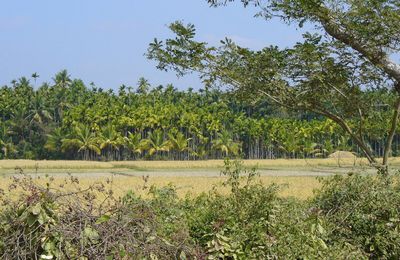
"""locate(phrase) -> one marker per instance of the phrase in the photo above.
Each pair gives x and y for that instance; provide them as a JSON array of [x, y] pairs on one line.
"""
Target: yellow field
[[44, 164], [299, 187]]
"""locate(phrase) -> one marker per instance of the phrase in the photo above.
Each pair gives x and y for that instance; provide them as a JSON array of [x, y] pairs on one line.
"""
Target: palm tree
[[54, 141], [143, 86], [179, 143], [23, 82], [62, 79], [13, 82], [110, 140], [290, 144], [133, 143], [35, 76], [82, 139], [155, 143], [225, 144], [38, 113], [6, 144], [20, 123], [310, 148]]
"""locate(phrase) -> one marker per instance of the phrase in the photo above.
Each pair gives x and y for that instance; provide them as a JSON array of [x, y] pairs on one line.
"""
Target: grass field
[[88, 172], [205, 164], [299, 187]]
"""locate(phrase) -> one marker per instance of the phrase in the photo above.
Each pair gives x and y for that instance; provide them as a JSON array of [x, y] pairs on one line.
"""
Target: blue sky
[[104, 41]]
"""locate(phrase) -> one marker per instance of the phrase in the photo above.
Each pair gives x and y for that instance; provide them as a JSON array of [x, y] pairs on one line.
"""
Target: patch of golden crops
[[266, 163], [299, 187], [52, 164]]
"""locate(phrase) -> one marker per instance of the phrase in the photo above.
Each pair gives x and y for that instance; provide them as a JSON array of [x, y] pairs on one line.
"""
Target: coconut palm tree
[[179, 143], [226, 144], [20, 123], [143, 86], [38, 113], [310, 148], [82, 139], [156, 143], [110, 140], [62, 79], [6, 144], [54, 141], [290, 144], [133, 143]]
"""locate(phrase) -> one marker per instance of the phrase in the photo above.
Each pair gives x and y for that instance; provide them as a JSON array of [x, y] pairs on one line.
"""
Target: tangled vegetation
[[350, 217]]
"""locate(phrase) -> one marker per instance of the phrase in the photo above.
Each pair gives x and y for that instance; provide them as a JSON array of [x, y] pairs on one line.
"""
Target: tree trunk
[[389, 140]]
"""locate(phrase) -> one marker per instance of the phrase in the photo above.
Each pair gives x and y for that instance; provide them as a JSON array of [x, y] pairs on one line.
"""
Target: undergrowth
[[350, 217]]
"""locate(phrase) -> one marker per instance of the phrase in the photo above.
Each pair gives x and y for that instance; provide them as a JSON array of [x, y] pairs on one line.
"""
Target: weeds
[[350, 217]]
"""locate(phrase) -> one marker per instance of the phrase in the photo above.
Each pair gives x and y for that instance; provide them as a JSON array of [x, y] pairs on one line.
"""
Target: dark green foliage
[[363, 211]]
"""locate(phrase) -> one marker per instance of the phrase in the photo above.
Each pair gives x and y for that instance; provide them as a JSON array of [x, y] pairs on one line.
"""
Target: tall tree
[[35, 76], [156, 143], [327, 73], [55, 140], [6, 144], [110, 140], [82, 139], [179, 143], [226, 144]]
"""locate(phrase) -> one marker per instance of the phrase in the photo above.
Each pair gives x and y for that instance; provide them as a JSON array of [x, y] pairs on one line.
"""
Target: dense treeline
[[67, 120]]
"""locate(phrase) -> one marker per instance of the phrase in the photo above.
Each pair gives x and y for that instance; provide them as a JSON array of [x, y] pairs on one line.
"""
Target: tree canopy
[[350, 52], [73, 121]]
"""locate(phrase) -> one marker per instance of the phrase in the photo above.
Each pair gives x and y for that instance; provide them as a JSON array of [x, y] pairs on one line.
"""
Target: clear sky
[[104, 41]]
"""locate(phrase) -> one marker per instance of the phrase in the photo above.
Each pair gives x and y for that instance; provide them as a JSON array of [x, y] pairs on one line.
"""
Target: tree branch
[[376, 56]]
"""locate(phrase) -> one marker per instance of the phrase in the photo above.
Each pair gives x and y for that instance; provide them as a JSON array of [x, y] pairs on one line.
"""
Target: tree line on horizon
[[66, 119]]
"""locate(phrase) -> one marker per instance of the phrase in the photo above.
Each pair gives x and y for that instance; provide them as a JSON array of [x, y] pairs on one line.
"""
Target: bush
[[50, 222], [363, 211], [350, 217]]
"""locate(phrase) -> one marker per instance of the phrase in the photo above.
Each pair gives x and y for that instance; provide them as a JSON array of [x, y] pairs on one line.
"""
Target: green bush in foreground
[[363, 211], [351, 217]]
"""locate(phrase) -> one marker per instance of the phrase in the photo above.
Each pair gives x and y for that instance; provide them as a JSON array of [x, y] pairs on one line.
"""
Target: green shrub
[[53, 222], [252, 222], [363, 211], [350, 217]]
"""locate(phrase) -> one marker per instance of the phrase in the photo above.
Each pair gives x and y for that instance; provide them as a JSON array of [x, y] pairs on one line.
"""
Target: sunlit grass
[[299, 187], [62, 164], [203, 164]]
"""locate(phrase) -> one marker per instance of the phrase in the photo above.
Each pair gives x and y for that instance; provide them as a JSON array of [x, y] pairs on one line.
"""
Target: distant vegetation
[[66, 119]]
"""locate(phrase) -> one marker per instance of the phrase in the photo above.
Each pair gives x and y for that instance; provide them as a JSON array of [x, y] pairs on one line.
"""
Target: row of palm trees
[[109, 144], [66, 119]]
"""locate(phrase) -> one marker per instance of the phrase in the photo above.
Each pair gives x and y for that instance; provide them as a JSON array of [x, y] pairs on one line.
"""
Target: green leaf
[[182, 256], [91, 234], [103, 219], [31, 219], [36, 209]]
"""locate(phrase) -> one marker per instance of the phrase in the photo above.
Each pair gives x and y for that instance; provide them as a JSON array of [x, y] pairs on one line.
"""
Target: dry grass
[[299, 187], [248, 163], [203, 164], [44, 164]]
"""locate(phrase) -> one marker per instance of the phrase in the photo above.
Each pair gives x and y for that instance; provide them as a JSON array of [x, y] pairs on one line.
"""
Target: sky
[[104, 41]]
